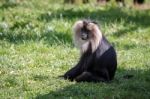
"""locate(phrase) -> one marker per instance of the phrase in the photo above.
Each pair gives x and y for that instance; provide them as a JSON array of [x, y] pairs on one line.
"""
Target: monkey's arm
[[82, 65], [72, 73], [75, 71]]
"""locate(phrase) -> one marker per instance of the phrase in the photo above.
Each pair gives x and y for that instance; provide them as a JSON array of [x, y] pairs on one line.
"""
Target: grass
[[36, 47]]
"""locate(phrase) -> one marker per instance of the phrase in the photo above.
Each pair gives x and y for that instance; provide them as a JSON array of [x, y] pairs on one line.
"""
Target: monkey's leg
[[89, 77]]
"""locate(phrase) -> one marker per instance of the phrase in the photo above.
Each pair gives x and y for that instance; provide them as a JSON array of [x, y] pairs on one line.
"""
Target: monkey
[[98, 59]]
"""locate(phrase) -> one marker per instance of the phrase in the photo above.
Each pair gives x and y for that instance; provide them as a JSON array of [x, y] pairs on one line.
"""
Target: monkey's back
[[105, 59]]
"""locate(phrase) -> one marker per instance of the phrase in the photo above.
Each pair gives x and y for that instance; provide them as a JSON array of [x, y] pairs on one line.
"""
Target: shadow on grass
[[107, 16], [50, 38], [133, 88], [8, 5]]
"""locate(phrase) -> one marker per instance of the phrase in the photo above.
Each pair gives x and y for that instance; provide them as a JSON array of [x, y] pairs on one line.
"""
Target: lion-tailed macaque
[[98, 61]]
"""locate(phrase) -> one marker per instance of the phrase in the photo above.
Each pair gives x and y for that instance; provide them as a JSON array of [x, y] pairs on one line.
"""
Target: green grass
[[36, 47]]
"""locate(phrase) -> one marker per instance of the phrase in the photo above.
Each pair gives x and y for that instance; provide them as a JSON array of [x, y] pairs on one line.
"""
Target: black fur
[[99, 66]]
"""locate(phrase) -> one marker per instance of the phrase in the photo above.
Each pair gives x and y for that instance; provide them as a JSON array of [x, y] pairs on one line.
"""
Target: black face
[[84, 34], [84, 31]]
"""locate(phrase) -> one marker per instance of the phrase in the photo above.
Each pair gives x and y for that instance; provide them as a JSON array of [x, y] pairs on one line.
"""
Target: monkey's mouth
[[84, 36]]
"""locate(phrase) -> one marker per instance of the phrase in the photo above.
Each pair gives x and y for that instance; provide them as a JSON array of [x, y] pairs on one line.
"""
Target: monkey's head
[[85, 29], [85, 32]]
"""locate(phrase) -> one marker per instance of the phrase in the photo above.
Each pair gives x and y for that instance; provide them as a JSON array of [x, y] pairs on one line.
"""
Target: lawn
[[36, 47]]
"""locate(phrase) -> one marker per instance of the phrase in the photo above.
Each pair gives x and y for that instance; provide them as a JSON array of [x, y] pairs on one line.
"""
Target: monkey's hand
[[68, 76], [73, 73]]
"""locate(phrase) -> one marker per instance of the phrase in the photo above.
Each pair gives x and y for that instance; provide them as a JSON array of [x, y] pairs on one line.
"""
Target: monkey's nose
[[84, 36]]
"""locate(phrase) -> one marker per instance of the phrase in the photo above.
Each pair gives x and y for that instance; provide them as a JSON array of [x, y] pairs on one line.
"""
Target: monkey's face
[[84, 33], [86, 30]]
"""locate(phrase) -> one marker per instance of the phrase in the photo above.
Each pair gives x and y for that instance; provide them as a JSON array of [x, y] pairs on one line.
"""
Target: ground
[[36, 47]]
